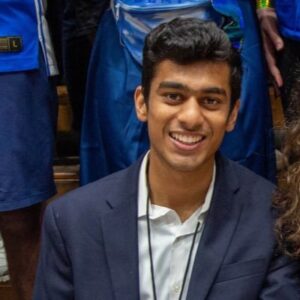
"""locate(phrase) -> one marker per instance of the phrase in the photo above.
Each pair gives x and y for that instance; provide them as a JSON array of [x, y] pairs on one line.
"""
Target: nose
[[191, 115]]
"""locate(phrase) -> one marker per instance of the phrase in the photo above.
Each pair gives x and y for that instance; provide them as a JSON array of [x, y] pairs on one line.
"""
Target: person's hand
[[272, 40]]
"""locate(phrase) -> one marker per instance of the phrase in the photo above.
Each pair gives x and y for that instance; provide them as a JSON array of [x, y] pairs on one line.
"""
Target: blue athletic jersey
[[135, 18], [288, 12], [22, 29]]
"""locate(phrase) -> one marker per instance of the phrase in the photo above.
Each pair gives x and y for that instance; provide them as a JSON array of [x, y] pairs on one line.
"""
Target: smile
[[187, 139]]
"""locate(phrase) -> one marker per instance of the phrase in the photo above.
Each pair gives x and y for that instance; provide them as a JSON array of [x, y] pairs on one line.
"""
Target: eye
[[173, 97], [211, 102]]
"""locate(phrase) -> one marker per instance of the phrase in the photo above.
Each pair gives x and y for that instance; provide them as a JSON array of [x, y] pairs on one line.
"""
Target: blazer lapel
[[120, 236], [219, 228]]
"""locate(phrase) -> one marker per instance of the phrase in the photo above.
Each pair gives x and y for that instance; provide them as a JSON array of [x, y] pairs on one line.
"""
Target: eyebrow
[[180, 86]]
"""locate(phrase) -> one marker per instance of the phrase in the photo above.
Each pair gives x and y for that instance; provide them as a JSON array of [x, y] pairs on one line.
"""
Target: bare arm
[[272, 41]]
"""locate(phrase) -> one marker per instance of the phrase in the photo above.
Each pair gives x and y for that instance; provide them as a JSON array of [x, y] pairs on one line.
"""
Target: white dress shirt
[[171, 242]]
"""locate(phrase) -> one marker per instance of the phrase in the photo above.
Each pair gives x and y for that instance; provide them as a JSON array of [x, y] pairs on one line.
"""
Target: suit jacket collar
[[121, 234], [219, 228]]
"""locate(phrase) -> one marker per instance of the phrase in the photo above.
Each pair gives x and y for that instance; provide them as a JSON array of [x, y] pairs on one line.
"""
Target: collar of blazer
[[119, 226]]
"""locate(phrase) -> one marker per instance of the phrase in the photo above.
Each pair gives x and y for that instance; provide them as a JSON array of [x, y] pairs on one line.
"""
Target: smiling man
[[183, 222]]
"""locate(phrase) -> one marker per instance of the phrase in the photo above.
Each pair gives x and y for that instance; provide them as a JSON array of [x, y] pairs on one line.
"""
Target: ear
[[233, 116], [140, 104]]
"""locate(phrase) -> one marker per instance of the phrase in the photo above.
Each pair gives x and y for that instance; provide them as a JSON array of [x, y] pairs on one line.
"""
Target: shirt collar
[[159, 210]]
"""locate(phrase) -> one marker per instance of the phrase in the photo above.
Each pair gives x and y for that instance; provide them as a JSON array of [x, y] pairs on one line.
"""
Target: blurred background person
[[288, 200], [280, 27], [27, 131], [80, 23]]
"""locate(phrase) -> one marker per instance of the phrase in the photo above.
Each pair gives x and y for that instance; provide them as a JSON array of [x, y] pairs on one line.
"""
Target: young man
[[183, 222]]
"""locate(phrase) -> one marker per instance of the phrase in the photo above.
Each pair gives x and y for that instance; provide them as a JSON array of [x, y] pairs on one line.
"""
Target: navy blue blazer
[[90, 245]]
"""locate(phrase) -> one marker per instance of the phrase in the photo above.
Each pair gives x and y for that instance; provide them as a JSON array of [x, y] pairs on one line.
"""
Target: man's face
[[188, 113]]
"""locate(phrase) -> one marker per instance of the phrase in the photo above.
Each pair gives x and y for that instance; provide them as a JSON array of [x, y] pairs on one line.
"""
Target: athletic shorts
[[28, 114]]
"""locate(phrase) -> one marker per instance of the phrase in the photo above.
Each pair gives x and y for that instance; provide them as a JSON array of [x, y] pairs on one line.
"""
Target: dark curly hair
[[287, 199]]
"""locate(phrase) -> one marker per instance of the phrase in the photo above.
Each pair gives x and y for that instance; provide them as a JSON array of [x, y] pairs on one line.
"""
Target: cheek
[[153, 125], [219, 130], [158, 124], [218, 121], [159, 115]]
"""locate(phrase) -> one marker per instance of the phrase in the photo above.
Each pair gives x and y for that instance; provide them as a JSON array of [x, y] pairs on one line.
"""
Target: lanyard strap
[[151, 254]]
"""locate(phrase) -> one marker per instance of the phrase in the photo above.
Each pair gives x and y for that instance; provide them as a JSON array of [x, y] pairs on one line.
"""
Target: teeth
[[187, 139]]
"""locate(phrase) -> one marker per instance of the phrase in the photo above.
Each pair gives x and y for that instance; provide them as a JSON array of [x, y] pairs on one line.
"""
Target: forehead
[[196, 75]]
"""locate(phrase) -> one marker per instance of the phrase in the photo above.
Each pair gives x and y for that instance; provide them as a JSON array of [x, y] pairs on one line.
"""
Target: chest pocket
[[242, 269], [135, 18]]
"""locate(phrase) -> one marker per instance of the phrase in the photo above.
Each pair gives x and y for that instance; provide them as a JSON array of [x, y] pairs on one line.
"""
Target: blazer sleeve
[[54, 274], [282, 281]]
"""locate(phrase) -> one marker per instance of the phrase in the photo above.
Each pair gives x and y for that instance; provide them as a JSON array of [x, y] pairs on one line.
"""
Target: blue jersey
[[135, 18], [288, 12], [23, 29]]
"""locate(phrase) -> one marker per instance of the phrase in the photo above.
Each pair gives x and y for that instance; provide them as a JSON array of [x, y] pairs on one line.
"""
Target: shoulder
[[247, 176], [243, 174], [97, 197], [247, 184]]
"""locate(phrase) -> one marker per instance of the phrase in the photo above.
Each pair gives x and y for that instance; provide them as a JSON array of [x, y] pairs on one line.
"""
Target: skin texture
[[272, 41], [20, 230], [188, 113]]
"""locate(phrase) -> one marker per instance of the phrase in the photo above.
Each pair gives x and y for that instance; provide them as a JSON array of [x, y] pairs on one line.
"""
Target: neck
[[183, 192]]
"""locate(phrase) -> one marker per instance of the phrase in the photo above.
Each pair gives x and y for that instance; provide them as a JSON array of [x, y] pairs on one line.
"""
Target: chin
[[185, 165]]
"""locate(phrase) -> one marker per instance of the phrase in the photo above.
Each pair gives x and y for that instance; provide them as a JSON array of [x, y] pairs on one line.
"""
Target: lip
[[187, 141]]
